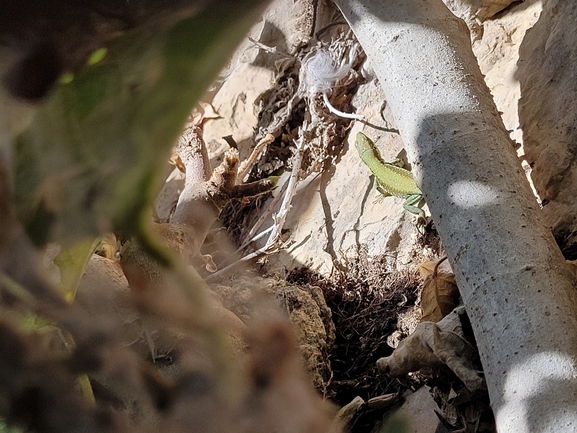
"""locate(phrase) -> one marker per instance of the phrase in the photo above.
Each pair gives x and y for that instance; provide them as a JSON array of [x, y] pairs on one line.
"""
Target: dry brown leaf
[[176, 161], [440, 293], [433, 345], [383, 401]]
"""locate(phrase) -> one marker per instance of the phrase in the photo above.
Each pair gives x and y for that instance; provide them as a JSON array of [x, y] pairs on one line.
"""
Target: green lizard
[[391, 179]]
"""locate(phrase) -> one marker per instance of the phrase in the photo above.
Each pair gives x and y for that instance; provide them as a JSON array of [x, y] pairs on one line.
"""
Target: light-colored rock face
[[528, 57], [334, 214], [474, 12], [547, 71], [304, 305], [498, 53], [335, 218]]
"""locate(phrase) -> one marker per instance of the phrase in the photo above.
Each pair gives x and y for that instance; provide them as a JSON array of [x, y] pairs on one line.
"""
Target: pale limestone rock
[[286, 26], [547, 70], [335, 219], [474, 12], [498, 53], [419, 411], [480, 9]]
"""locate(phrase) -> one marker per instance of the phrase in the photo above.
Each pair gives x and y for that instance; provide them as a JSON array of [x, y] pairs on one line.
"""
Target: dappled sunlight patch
[[543, 373], [470, 194]]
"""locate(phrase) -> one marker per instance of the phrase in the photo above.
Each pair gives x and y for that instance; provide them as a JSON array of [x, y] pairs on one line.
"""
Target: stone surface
[[334, 215], [419, 412], [498, 53], [252, 72], [547, 69], [474, 12], [314, 327], [339, 215], [528, 57], [306, 307]]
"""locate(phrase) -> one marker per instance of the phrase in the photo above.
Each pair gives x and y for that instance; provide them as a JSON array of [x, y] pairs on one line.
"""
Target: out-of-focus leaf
[[72, 262], [89, 161], [97, 56], [440, 293], [5, 428]]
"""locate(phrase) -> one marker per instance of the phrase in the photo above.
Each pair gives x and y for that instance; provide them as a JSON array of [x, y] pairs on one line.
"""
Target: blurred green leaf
[[90, 159], [97, 56], [5, 428], [72, 263]]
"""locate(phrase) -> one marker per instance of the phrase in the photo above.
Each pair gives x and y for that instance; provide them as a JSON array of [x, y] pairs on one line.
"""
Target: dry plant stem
[[253, 255], [277, 126], [268, 49], [279, 218], [195, 208], [340, 113], [191, 148], [250, 237], [439, 263], [247, 164], [516, 286], [204, 195], [256, 238]]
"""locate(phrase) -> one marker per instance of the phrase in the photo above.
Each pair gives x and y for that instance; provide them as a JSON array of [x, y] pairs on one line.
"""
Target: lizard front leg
[[411, 204]]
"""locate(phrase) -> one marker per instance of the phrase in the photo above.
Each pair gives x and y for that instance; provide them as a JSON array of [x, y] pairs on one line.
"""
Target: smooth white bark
[[514, 281]]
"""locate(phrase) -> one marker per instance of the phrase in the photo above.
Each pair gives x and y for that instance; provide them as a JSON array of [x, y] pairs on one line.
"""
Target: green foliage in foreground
[[4, 428], [90, 158]]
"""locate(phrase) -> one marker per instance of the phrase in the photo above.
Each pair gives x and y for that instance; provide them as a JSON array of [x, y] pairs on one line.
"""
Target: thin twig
[[249, 237], [280, 216], [340, 113], [247, 164], [256, 238], [268, 49]]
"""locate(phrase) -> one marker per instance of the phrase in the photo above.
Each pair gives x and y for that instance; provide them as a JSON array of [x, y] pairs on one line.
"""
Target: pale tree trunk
[[515, 284]]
